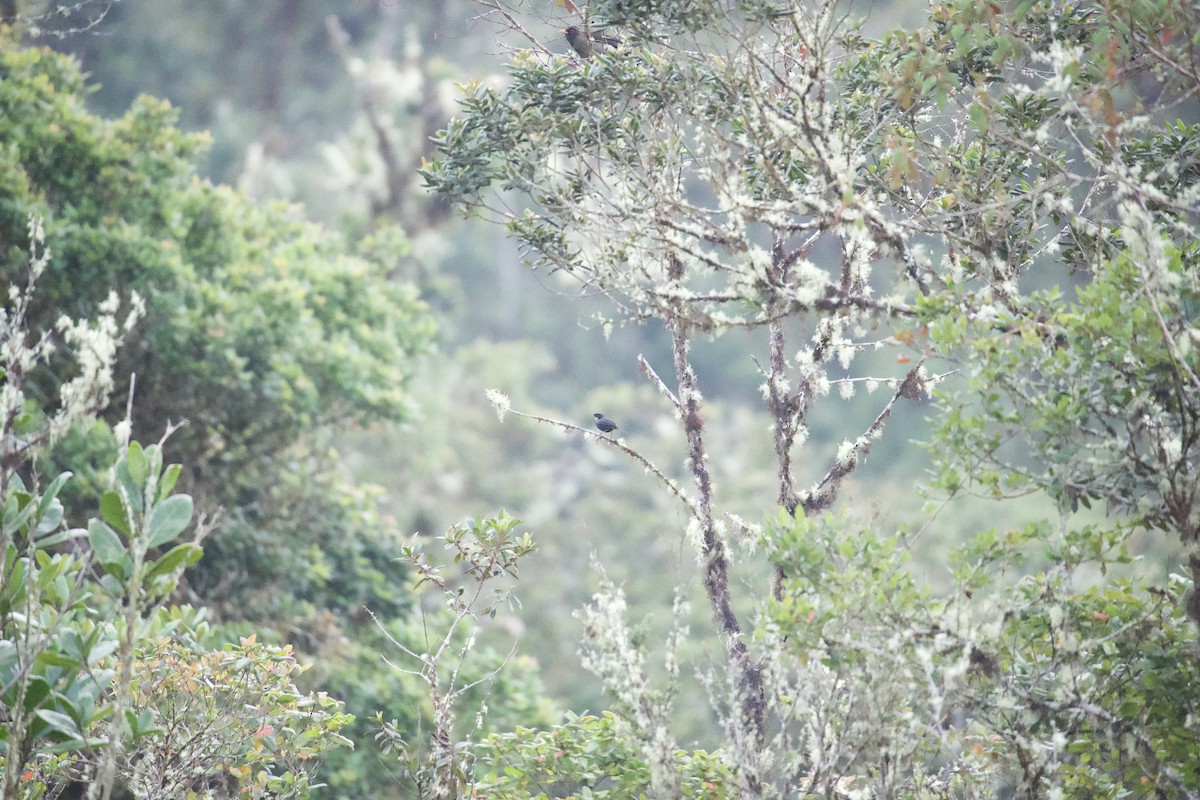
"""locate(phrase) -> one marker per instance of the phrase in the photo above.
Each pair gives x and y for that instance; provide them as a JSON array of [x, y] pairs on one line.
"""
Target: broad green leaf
[[142, 725], [136, 459], [60, 537], [14, 575], [75, 743], [110, 584], [132, 487], [154, 460], [168, 481], [113, 511], [18, 509], [169, 519], [105, 543], [51, 493], [50, 658], [185, 554], [49, 517], [101, 650], [36, 691], [119, 570]]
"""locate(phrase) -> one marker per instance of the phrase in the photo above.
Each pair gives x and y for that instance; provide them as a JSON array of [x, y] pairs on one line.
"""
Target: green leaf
[[60, 537], [168, 481], [49, 658], [132, 487], [113, 511], [49, 517], [141, 725], [136, 459], [18, 509], [154, 460], [101, 650], [14, 574], [105, 543], [185, 555], [59, 721], [51, 493], [169, 518], [75, 743], [37, 689]]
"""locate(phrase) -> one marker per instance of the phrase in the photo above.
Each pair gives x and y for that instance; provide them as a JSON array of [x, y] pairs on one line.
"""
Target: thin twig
[[649, 372], [671, 485], [822, 494], [514, 24], [1167, 337]]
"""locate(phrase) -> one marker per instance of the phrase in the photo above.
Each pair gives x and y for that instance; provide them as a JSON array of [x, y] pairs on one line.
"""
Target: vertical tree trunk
[[748, 717]]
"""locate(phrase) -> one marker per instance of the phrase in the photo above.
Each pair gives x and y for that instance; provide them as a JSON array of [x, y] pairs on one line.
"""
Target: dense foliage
[[261, 330], [103, 685]]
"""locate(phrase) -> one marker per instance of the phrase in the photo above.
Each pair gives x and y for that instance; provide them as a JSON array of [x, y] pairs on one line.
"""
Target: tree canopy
[[261, 328]]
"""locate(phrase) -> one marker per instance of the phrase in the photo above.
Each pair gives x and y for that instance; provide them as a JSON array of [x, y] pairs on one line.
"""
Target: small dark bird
[[604, 423], [586, 45]]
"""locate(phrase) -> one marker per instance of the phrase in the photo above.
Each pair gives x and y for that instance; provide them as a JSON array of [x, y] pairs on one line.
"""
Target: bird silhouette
[[586, 43], [604, 423]]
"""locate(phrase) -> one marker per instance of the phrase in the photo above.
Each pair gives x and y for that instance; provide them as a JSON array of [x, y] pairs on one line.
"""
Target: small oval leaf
[[185, 555], [136, 458], [113, 511], [105, 542], [168, 481], [169, 518]]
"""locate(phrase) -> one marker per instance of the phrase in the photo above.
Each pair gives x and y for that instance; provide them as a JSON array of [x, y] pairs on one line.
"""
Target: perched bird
[[604, 423], [586, 45]]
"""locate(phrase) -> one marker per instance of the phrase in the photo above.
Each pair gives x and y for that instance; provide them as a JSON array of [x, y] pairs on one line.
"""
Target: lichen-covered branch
[[750, 717]]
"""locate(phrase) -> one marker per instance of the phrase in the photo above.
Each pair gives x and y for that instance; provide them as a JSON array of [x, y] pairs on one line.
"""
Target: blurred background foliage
[[330, 260]]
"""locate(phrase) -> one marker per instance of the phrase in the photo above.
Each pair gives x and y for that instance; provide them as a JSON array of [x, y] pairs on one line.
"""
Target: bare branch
[[671, 485], [649, 372], [822, 495]]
